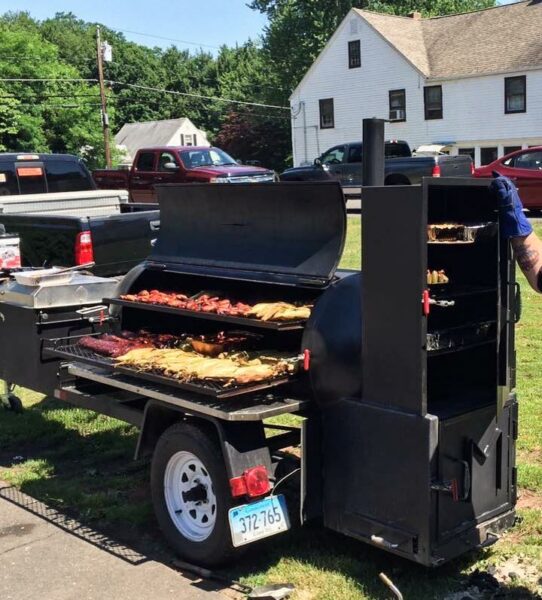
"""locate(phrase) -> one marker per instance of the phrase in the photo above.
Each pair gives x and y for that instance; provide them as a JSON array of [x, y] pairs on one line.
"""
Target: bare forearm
[[528, 252]]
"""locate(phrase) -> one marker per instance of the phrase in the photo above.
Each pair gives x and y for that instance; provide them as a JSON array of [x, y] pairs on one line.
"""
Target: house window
[[354, 54], [397, 105], [515, 94], [188, 141], [488, 155], [508, 149], [327, 119], [432, 96], [466, 152]]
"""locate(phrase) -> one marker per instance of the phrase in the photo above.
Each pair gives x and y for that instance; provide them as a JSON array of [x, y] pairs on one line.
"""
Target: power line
[[192, 95], [121, 101], [45, 95], [142, 87], [161, 37], [45, 79], [67, 105]]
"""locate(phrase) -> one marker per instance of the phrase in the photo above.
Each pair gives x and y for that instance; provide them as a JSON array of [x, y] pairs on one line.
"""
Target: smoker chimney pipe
[[373, 152]]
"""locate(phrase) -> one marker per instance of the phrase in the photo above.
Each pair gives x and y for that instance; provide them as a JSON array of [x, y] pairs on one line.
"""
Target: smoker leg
[[8, 399]]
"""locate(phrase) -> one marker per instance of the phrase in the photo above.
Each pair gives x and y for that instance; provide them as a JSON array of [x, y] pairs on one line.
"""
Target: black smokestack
[[373, 152]]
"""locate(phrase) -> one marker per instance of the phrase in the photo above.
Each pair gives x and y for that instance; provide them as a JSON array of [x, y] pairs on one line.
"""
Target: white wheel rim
[[190, 497]]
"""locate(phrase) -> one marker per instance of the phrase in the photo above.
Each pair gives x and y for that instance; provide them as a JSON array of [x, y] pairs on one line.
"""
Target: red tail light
[[472, 168], [84, 252], [253, 482], [436, 171]]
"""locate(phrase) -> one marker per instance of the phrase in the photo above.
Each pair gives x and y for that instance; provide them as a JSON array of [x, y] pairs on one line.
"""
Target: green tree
[[251, 136], [59, 115], [9, 116]]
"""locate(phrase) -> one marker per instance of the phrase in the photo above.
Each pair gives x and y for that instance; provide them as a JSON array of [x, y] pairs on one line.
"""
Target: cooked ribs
[[117, 345], [203, 303]]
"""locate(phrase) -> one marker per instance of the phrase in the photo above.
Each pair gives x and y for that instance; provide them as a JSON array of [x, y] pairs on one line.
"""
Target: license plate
[[251, 522]]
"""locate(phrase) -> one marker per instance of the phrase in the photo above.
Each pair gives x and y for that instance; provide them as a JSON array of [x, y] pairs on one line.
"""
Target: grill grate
[[69, 349], [463, 337], [242, 321]]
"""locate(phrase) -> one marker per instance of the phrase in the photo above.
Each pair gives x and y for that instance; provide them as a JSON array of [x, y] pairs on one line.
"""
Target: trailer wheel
[[191, 495]]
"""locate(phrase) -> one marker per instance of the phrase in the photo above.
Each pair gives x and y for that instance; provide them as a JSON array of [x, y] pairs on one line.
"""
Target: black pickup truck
[[343, 163], [52, 203], [115, 243]]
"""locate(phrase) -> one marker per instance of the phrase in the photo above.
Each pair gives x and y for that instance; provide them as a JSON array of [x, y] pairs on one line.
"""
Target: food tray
[[465, 233], [69, 349], [43, 277], [241, 321]]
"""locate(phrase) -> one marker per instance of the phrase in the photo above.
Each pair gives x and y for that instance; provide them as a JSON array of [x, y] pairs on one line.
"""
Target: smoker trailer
[[405, 390]]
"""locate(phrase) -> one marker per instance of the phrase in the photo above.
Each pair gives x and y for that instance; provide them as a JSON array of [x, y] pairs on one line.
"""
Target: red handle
[[426, 303]]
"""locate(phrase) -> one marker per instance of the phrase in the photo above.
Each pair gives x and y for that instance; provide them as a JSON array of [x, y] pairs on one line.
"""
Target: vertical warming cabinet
[[423, 462]]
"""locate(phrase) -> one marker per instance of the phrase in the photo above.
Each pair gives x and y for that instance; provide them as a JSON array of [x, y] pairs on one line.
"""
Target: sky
[[209, 22]]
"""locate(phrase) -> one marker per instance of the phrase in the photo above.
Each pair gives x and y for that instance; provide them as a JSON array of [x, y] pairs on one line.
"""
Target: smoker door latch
[[442, 303], [427, 302], [447, 487]]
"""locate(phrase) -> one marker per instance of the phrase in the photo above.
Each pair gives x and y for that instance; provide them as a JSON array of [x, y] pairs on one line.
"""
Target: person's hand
[[514, 223]]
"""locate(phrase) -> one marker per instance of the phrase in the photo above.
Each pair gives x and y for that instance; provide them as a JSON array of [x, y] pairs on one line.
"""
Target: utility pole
[[105, 117]]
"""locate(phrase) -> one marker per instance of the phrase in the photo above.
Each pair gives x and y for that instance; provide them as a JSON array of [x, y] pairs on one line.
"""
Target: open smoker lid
[[282, 232]]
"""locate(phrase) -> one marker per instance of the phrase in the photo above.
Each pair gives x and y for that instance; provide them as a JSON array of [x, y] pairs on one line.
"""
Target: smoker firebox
[[423, 464]]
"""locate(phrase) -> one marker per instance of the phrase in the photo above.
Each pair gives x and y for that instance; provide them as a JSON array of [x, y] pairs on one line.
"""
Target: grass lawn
[[80, 462]]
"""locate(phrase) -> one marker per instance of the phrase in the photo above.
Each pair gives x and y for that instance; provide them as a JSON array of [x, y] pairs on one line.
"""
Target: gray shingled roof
[[503, 39], [148, 133]]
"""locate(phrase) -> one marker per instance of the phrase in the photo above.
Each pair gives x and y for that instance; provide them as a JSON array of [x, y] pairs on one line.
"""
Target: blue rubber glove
[[514, 223]]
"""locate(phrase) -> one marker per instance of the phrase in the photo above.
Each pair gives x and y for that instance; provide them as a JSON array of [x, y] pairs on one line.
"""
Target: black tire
[[217, 548], [15, 404]]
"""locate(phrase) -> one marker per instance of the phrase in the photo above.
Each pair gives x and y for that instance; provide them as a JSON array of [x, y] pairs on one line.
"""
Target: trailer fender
[[243, 444]]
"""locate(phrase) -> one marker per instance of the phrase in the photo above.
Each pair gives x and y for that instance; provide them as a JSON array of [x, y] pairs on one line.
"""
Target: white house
[[470, 81], [169, 132]]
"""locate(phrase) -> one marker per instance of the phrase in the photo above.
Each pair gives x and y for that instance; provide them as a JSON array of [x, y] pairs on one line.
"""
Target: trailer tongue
[[404, 388]]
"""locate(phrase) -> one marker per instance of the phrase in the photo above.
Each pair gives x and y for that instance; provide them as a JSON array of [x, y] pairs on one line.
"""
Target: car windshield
[[206, 157]]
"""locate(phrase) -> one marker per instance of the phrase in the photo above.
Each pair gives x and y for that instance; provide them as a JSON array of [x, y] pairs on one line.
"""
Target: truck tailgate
[[113, 179], [455, 166], [122, 241]]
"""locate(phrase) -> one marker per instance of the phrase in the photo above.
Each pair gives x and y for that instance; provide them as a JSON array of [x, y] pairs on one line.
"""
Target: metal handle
[[387, 581], [517, 294], [87, 265], [380, 541], [466, 480]]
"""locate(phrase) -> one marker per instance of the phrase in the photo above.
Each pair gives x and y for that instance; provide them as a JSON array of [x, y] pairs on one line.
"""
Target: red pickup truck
[[178, 164], [524, 168]]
